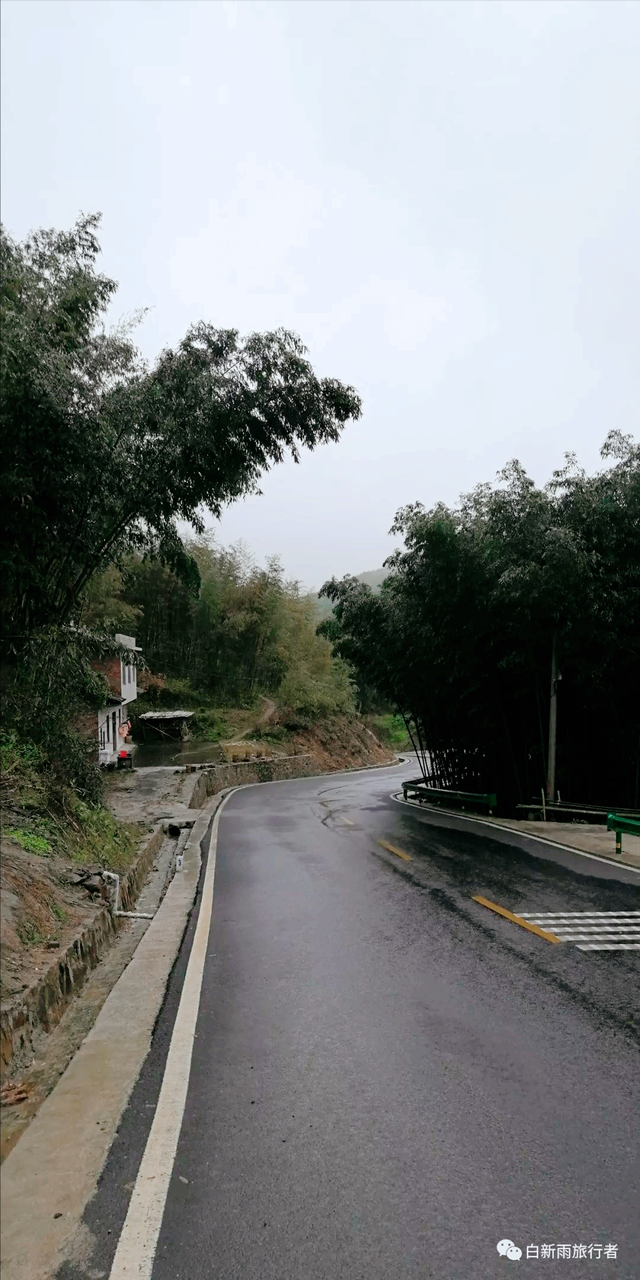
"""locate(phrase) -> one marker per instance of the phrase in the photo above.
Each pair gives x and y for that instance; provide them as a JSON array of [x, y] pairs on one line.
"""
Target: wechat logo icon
[[507, 1249]]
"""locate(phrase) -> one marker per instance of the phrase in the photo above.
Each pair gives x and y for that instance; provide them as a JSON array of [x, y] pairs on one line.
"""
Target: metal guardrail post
[[616, 822]]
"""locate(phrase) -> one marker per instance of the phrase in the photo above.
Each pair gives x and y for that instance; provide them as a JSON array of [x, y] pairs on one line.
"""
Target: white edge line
[[567, 848], [135, 1253], [139, 1237]]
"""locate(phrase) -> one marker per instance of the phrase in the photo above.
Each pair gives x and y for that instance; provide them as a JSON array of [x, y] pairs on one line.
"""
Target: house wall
[[128, 682], [122, 678], [128, 671], [110, 741]]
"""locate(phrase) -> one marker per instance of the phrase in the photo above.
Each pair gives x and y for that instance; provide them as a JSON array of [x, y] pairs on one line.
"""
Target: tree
[[102, 453], [461, 635], [249, 631]]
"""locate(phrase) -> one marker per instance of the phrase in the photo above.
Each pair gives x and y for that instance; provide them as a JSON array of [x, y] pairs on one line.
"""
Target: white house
[[113, 720]]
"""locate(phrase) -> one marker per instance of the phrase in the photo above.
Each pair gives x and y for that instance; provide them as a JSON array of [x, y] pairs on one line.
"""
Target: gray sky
[[441, 199]]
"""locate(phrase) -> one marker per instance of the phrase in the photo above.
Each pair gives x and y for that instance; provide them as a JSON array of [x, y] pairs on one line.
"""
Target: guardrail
[[619, 822], [416, 789], [570, 809]]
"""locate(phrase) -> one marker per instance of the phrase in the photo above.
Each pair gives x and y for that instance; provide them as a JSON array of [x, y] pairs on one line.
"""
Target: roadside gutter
[[52, 1172]]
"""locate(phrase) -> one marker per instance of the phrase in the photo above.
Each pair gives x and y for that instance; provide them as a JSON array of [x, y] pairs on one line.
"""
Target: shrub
[[28, 841]]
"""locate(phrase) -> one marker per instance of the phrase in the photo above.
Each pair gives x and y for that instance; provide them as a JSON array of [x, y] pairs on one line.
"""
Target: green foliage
[[47, 686], [103, 606], [459, 637], [45, 815], [374, 579], [391, 730], [248, 633], [273, 733], [176, 693], [95, 836], [209, 726], [29, 933], [314, 691], [27, 840], [102, 454]]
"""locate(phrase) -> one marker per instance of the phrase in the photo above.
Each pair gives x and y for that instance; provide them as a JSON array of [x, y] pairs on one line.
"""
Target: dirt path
[[263, 719]]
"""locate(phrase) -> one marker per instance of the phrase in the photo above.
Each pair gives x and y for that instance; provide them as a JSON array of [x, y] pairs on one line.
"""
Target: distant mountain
[[374, 579]]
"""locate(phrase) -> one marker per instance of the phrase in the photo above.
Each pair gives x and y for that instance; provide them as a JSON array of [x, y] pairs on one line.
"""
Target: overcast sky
[[441, 199]]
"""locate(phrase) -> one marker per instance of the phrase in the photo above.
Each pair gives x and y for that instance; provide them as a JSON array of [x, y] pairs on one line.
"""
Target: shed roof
[[166, 715]]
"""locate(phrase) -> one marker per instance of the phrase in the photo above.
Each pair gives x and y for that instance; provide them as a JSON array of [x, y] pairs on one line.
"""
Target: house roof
[[128, 642], [166, 715]]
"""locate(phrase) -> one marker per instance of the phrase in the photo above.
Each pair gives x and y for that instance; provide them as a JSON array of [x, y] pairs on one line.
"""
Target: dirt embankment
[[342, 743], [41, 910], [51, 899], [338, 742], [330, 746]]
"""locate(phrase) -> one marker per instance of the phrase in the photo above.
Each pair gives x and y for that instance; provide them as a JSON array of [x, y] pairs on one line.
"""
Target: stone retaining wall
[[37, 1011], [214, 778]]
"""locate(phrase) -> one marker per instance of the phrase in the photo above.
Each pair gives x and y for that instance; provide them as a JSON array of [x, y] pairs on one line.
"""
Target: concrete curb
[[33, 1015], [55, 1166]]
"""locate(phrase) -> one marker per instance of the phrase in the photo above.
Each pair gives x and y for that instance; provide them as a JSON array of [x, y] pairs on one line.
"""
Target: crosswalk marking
[[610, 946], [591, 930], [581, 915]]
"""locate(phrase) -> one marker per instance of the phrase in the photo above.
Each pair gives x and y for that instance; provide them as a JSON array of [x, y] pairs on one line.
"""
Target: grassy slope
[[47, 832]]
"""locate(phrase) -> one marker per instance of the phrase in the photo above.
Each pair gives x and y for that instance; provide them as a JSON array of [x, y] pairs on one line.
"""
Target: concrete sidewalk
[[585, 837], [580, 837]]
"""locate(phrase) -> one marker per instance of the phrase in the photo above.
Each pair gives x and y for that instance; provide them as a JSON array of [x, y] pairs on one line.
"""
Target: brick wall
[[113, 671]]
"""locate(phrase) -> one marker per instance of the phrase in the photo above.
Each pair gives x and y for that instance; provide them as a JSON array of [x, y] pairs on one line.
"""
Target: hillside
[[373, 578]]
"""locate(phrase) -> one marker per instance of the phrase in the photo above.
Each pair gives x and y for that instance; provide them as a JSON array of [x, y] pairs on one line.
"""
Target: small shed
[[157, 726]]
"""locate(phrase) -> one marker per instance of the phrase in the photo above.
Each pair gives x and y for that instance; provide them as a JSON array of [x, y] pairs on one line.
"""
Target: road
[[387, 1078]]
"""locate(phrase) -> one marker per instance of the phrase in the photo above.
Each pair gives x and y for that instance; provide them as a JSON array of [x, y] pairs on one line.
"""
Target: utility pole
[[553, 723]]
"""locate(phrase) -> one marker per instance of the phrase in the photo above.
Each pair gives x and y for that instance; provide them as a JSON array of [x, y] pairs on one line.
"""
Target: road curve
[[387, 1079]]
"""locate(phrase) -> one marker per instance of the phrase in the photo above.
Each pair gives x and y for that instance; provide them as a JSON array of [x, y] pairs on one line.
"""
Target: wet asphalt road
[[388, 1079]]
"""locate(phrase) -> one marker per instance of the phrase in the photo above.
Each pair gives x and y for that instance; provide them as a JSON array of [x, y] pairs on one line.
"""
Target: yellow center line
[[524, 924], [392, 849]]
